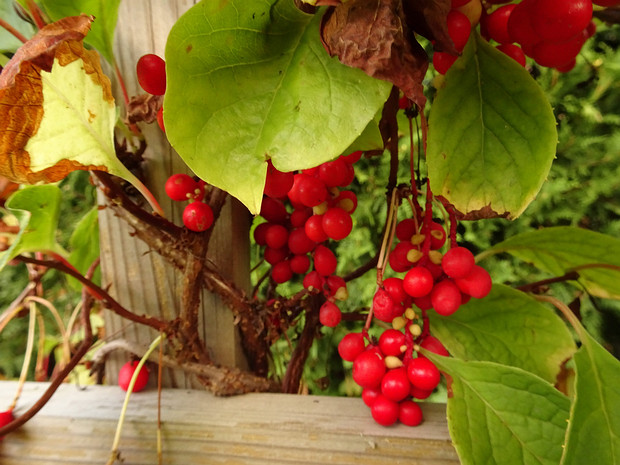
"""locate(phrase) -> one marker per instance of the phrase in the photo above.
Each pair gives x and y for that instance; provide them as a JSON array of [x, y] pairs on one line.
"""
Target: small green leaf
[[37, 209], [558, 250], [492, 135], [101, 35], [507, 327], [249, 81], [594, 426], [84, 245], [8, 42], [503, 415]]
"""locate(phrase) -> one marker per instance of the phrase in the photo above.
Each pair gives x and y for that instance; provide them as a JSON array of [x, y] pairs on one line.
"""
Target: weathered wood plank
[[77, 426], [140, 280]]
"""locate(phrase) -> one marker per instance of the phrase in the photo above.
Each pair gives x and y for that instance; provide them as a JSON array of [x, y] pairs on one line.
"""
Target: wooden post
[[139, 279]]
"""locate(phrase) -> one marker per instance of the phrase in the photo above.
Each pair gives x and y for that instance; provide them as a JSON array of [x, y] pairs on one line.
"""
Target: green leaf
[[37, 209], [101, 35], [558, 250], [250, 81], [492, 135], [507, 327], [503, 415], [370, 138], [594, 426], [84, 245], [8, 42]]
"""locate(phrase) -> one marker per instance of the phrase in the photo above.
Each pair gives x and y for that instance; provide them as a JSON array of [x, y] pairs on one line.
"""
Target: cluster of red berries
[[550, 32], [432, 280], [197, 215], [303, 211], [151, 73], [392, 372]]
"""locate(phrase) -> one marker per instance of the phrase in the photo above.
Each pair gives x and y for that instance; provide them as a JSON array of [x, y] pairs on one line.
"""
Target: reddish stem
[[13, 31], [35, 13]]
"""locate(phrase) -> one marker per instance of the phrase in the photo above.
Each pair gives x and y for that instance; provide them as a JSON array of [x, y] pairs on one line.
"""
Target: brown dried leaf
[[373, 35], [428, 18], [144, 107], [21, 96]]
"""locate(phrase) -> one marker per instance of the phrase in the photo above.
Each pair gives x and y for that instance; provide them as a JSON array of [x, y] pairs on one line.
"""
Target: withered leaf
[[22, 106], [372, 35], [429, 19]]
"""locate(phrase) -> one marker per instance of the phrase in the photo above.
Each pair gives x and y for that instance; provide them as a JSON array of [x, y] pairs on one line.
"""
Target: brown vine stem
[[536, 286], [107, 299], [292, 378]]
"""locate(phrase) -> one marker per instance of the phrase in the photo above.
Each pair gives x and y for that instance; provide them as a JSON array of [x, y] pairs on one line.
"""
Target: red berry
[[420, 394], [347, 200], [410, 413], [477, 284], [418, 281], [405, 229], [198, 216], [300, 264], [276, 236], [160, 119], [6, 417], [394, 287], [351, 345], [384, 411], [311, 191], [126, 373], [353, 157], [443, 61], [423, 374], [383, 306], [273, 256], [438, 236], [459, 29], [329, 314], [513, 51], [458, 262], [391, 341], [313, 280], [337, 287], [337, 223], [606, 2], [398, 257], [299, 243], [260, 231], [561, 20], [446, 297], [281, 272], [314, 229], [273, 210], [324, 260], [180, 187], [434, 345], [369, 395], [299, 217], [334, 173], [151, 72], [277, 183], [520, 28], [368, 369], [558, 54], [395, 385], [496, 24]]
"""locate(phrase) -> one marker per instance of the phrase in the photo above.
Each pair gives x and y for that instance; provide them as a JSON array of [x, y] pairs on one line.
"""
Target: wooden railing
[[77, 427]]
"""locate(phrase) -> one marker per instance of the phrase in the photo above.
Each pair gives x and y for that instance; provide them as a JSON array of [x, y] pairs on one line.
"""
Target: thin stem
[[27, 356], [160, 366], [106, 298], [12, 30], [61, 326], [566, 311], [114, 454], [35, 13]]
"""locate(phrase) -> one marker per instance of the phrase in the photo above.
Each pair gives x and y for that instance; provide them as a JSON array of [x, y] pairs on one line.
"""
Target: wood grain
[[77, 426], [141, 280]]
